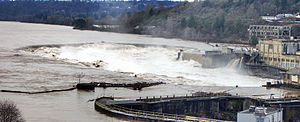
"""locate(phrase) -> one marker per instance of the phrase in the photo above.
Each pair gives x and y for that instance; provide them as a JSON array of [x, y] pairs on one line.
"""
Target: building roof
[[294, 71], [260, 111]]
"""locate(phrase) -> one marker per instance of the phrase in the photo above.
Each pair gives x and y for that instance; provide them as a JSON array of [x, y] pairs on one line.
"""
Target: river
[[33, 71]]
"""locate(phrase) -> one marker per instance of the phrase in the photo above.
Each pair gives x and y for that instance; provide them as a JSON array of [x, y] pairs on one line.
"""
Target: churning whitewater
[[145, 61]]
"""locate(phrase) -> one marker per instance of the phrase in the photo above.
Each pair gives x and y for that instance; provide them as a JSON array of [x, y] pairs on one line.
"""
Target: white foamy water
[[150, 60]]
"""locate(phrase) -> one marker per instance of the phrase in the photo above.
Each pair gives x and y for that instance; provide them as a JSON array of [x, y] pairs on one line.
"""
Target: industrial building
[[269, 31], [292, 76], [260, 114], [281, 53]]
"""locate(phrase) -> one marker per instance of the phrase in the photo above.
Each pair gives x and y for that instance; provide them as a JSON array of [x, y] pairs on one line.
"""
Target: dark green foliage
[[183, 23], [254, 40], [192, 22], [219, 23], [151, 12], [79, 23], [64, 12]]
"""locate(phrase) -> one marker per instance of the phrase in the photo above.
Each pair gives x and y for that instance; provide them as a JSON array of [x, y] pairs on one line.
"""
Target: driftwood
[[135, 86], [38, 92]]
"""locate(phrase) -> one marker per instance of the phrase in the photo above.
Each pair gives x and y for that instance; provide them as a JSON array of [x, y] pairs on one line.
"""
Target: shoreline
[[149, 35]]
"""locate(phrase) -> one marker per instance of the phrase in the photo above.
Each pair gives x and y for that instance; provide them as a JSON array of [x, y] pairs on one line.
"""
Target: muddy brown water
[[22, 71]]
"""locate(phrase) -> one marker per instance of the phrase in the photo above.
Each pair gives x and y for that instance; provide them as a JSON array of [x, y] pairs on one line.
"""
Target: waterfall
[[179, 55], [236, 63], [241, 63]]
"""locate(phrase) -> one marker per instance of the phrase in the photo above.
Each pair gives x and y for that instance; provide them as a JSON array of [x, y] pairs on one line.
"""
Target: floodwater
[[34, 71]]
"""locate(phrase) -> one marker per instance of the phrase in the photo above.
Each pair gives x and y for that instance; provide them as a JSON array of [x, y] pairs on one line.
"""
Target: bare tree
[[9, 112], [79, 76]]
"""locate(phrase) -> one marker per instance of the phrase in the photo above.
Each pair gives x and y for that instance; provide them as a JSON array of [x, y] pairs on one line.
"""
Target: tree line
[[72, 12]]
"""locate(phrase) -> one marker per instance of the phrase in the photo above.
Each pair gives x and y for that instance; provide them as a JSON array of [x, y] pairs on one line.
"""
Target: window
[[270, 46]]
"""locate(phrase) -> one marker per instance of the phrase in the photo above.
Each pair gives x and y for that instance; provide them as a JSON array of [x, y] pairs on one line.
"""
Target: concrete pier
[[135, 86]]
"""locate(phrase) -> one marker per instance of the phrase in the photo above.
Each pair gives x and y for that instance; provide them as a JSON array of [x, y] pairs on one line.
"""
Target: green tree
[[192, 23], [254, 40], [206, 3], [79, 24], [151, 12], [218, 25], [283, 4], [183, 23]]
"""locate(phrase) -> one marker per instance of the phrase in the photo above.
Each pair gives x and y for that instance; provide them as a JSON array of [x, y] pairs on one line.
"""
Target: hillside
[[210, 20], [65, 12]]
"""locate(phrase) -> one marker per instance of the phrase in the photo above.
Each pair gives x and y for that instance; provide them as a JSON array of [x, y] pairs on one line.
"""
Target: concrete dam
[[250, 61], [209, 59]]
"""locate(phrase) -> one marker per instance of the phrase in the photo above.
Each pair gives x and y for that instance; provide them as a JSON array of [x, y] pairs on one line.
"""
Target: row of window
[[282, 59], [287, 65], [269, 27], [267, 33]]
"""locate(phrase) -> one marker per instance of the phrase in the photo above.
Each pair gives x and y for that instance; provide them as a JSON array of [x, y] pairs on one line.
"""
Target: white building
[[260, 114]]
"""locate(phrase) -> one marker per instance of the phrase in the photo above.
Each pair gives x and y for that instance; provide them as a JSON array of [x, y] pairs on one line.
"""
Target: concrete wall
[[217, 108], [209, 60], [264, 71]]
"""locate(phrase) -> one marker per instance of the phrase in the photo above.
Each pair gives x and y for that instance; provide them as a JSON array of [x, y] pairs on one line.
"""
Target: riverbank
[[118, 28]]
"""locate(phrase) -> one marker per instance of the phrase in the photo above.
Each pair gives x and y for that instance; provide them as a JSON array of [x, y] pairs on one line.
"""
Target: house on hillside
[[269, 31], [282, 18]]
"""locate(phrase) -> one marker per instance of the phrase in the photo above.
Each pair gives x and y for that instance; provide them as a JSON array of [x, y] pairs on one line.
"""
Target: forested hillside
[[66, 12], [209, 20]]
